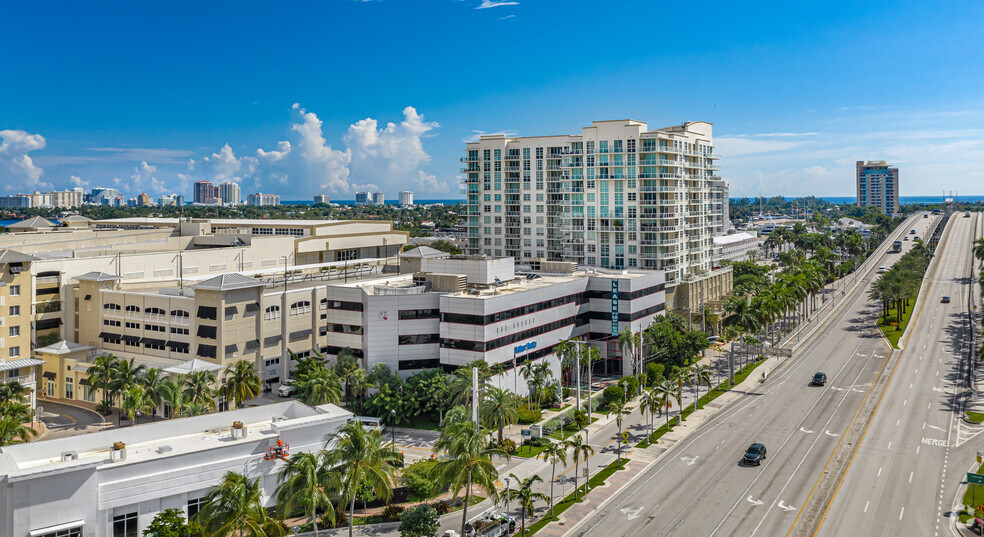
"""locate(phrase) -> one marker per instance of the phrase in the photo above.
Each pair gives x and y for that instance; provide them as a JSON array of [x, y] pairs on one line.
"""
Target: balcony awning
[[178, 345], [152, 341], [134, 339]]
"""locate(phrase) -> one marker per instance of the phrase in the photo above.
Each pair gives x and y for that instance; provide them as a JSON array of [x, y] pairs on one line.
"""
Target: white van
[[369, 423], [287, 389]]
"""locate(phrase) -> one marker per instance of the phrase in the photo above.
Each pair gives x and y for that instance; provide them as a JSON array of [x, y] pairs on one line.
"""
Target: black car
[[819, 379], [946, 300], [755, 454]]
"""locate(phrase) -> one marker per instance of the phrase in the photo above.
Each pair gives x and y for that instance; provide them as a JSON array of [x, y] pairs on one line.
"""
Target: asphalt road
[[906, 475], [700, 487]]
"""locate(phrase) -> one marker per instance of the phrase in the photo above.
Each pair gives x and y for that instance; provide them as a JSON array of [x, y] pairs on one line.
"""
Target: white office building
[[617, 195], [322, 198], [230, 194], [114, 482], [735, 247], [406, 198]]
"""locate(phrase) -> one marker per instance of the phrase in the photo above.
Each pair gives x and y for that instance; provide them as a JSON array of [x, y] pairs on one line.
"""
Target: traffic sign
[[975, 479], [625, 438]]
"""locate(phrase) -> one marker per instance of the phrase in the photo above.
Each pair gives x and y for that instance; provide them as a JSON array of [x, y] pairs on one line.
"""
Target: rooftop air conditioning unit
[[118, 452], [69, 456], [238, 429]]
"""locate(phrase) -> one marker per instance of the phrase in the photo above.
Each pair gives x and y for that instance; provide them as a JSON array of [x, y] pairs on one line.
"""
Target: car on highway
[[912, 232], [925, 216], [917, 238], [882, 269], [966, 215], [905, 238], [819, 379], [755, 454], [945, 300]]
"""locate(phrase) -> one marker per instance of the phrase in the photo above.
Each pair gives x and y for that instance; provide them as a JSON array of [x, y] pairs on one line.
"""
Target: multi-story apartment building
[[262, 200], [64, 199], [878, 186], [322, 198], [618, 195], [205, 192], [16, 292], [406, 198], [229, 193]]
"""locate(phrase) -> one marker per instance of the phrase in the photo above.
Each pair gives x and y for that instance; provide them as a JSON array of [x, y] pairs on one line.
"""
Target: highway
[[699, 487], [906, 475]]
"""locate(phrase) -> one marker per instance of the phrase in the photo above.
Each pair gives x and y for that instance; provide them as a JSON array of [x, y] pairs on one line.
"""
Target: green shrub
[[537, 442], [392, 512], [654, 372], [419, 521], [613, 394], [419, 479], [528, 415], [566, 393], [631, 382], [104, 408], [442, 508], [507, 445]]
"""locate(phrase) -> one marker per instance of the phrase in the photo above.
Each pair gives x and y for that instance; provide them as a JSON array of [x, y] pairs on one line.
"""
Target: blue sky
[[298, 98]]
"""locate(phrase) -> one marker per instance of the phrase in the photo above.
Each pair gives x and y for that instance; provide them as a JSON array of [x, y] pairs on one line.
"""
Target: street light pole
[[507, 497], [393, 426]]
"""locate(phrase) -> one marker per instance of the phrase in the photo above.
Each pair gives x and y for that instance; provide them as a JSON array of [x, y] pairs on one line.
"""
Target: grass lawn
[[704, 399], [561, 506], [975, 417], [972, 498], [893, 333], [561, 434]]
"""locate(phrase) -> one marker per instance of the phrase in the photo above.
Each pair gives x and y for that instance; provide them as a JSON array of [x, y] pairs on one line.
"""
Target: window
[[272, 312], [14, 311], [14, 331], [69, 388], [206, 351], [195, 505], [125, 525], [14, 290], [420, 339], [132, 343], [133, 309], [205, 331], [348, 255], [407, 315], [298, 308], [180, 331], [70, 532], [207, 312], [88, 393], [155, 328], [154, 311], [14, 352], [132, 325], [179, 315]]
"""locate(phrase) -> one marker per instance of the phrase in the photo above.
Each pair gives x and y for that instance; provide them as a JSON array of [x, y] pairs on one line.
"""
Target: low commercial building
[[114, 482], [735, 247]]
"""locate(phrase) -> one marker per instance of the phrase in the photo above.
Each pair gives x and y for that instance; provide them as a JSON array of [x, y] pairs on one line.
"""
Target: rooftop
[[218, 221], [162, 439]]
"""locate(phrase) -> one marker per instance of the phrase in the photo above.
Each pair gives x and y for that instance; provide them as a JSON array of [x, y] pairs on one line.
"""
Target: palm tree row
[[14, 413], [900, 284], [137, 389]]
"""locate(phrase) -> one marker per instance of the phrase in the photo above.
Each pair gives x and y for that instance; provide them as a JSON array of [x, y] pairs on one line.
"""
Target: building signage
[[519, 349], [614, 306]]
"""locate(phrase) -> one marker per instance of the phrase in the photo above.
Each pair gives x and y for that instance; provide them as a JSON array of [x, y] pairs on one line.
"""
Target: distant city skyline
[[797, 94]]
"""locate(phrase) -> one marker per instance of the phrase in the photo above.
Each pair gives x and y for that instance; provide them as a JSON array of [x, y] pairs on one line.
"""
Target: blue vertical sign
[[614, 306]]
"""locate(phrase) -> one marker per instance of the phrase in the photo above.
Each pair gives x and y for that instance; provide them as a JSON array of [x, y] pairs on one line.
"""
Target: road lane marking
[[806, 431], [828, 433], [690, 460], [866, 506], [935, 442], [905, 402], [910, 476], [753, 502], [938, 428], [917, 449], [901, 513], [889, 446], [786, 507], [879, 472], [632, 513]]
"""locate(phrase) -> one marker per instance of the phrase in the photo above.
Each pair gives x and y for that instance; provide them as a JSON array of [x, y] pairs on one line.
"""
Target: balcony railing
[[49, 307]]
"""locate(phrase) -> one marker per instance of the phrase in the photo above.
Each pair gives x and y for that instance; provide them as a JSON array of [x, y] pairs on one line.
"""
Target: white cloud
[[222, 166], [392, 155], [507, 17], [491, 3], [17, 169], [144, 179], [733, 147], [77, 181], [429, 183]]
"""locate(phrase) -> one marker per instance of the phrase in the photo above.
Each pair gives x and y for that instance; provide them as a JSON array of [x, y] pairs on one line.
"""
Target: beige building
[[16, 292]]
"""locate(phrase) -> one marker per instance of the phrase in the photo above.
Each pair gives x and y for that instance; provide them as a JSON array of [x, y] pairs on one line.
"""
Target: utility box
[[536, 431]]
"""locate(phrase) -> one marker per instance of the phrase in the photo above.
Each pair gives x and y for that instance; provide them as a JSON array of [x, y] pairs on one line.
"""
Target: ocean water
[[903, 200]]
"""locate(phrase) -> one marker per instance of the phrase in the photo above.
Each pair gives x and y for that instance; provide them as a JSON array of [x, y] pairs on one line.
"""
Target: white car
[[882, 269], [287, 389]]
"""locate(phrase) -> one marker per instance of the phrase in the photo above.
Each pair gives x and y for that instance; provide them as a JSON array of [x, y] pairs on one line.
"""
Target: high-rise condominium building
[[206, 192], [406, 197], [618, 195], [378, 198], [321, 198], [362, 198], [229, 193], [878, 186], [261, 200]]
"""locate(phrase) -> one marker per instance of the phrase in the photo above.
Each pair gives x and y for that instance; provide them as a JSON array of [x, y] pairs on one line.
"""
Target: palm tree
[[628, 342], [101, 373], [528, 372], [235, 508], [581, 450], [171, 394], [498, 409], [665, 390], [134, 400], [649, 401], [320, 386], [13, 415], [242, 382], [460, 385], [198, 389], [620, 409], [979, 250], [157, 388], [126, 375], [542, 373], [12, 391], [307, 483], [468, 463], [360, 457], [553, 453], [702, 375], [190, 409], [524, 495], [566, 351]]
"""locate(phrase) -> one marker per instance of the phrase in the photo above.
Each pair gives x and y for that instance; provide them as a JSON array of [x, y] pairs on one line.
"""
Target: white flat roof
[[221, 221], [162, 439]]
